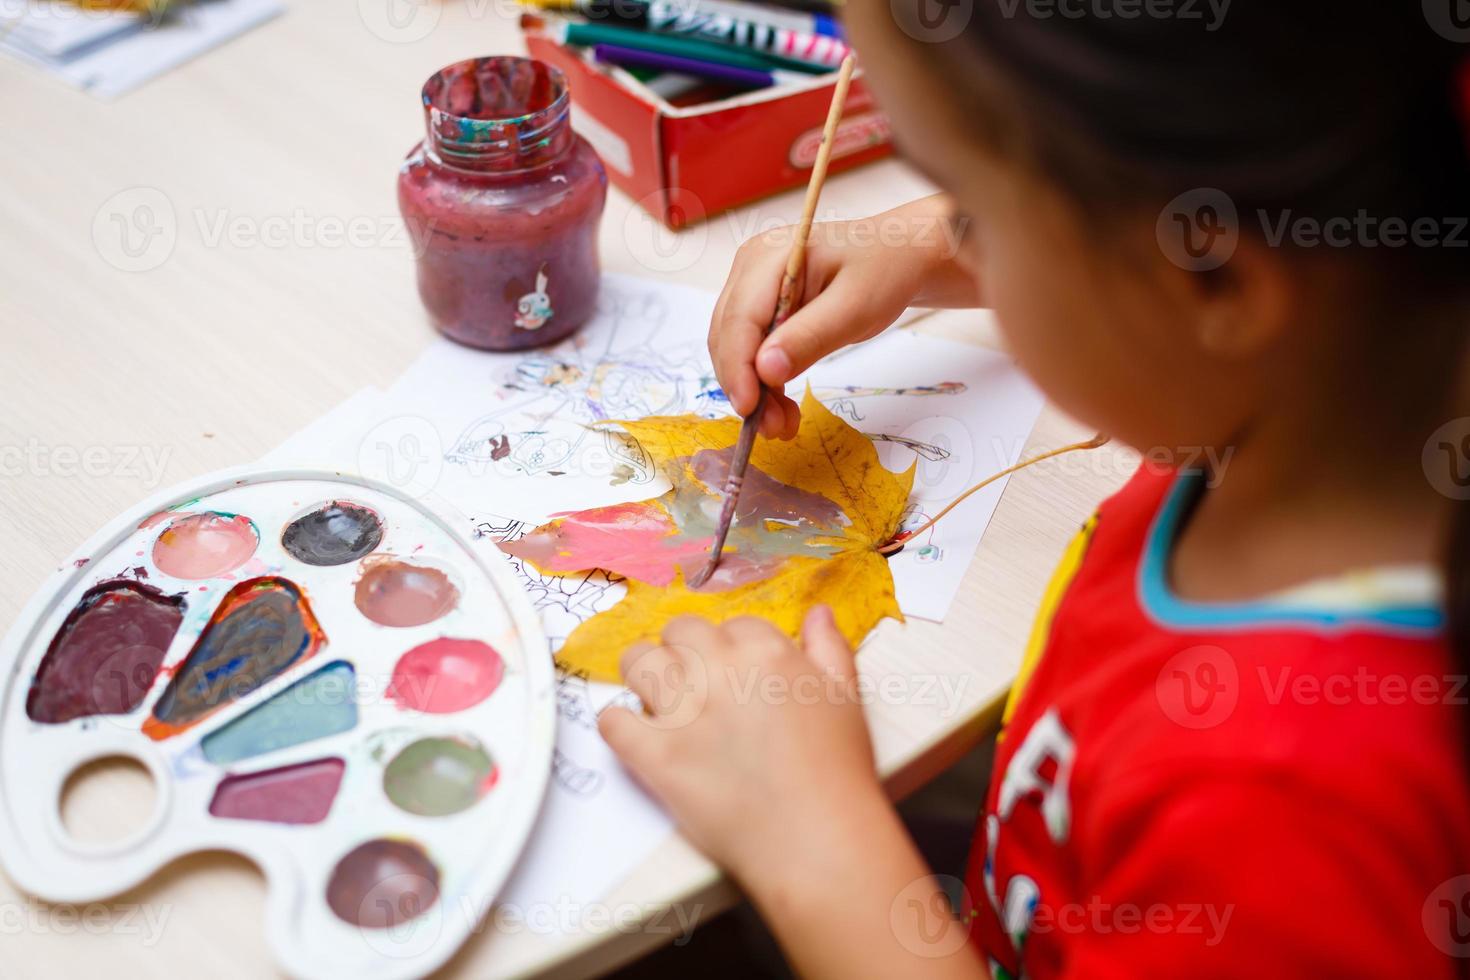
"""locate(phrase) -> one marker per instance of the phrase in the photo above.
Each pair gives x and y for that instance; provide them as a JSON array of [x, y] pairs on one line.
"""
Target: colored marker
[[613, 54], [675, 17], [588, 35], [684, 19], [634, 13]]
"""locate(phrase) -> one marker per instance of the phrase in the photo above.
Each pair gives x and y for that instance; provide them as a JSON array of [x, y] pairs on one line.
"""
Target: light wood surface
[[262, 156]]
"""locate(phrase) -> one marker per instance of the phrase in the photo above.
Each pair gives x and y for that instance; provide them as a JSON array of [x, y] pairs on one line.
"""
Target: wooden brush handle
[[796, 260], [786, 300]]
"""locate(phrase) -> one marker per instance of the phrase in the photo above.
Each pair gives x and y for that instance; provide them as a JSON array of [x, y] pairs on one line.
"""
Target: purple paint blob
[[382, 883], [107, 653], [765, 497], [297, 794]]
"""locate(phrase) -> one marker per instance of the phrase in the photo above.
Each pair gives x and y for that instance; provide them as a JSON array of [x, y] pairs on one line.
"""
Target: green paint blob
[[435, 777]]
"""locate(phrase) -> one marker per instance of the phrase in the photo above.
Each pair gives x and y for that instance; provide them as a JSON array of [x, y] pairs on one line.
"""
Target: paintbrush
[[785, 305]]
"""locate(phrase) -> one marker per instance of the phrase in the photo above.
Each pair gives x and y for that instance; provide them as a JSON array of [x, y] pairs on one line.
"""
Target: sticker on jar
[[533, 309]]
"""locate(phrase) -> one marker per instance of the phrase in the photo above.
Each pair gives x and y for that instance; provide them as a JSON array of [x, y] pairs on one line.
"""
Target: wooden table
[[282, 284]]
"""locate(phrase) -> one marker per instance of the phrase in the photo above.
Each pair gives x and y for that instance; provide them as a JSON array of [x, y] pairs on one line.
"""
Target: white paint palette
[[320, 674]]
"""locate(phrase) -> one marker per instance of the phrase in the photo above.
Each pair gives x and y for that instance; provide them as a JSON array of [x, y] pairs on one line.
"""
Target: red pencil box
[[684, 164]]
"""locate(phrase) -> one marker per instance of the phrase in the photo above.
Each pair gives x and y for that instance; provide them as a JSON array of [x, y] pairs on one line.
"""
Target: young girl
[[1241, 749]]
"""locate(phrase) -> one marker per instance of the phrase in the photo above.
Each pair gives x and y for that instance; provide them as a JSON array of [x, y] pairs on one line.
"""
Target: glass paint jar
[[502, 201]]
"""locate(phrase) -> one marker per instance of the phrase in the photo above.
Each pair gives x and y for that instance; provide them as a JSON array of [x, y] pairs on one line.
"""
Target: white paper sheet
[[55, 30], [112, 55]]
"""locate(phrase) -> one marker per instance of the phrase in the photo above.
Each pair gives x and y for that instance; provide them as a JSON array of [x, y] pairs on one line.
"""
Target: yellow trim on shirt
[[1061, 579]]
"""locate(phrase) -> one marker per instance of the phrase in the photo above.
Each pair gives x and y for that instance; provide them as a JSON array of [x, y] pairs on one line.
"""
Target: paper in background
[[109, 53]]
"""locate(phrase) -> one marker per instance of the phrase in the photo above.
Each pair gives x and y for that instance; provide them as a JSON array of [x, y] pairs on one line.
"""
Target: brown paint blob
[[383, 883], [394, 592], [105, 656]]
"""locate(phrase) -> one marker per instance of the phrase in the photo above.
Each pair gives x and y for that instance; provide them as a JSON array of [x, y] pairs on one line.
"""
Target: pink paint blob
[[297, 794], [639, 541], [197, 546], [446, 675]]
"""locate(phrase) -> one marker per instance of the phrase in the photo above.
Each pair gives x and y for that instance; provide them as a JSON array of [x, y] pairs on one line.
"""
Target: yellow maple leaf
[[812, 515]]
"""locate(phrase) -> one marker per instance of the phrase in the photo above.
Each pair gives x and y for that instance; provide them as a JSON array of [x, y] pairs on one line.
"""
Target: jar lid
[[503, 112]]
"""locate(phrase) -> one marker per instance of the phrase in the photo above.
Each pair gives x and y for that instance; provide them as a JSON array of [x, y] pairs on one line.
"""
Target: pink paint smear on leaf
[[638, 541]]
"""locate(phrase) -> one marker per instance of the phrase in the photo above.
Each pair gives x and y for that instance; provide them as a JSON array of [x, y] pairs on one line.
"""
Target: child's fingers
[[825, 644], [648, 670], [742, 314], [632, 738], [733, 344], [781, 417], [818, 328], [792, 420], [691, 633], [753, 632]]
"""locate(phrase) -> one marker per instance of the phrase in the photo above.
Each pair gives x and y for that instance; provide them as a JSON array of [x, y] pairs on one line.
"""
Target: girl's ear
[[1243, 308]]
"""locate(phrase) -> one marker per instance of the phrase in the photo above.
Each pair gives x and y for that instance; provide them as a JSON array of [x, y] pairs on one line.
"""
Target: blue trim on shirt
[[1161, 604]]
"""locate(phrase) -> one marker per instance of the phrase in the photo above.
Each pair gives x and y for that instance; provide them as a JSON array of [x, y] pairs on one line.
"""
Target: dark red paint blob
[[302, 793], [446, 675], [382, 883], [105, 656]]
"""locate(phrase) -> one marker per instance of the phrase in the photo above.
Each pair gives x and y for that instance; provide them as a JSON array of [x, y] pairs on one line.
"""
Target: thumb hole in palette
[[108, 801]]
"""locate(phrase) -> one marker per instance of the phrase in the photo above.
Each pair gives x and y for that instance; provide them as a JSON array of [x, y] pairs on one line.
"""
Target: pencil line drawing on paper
[[843, 399], [620, 372], [575, 779], [925, 552], [931, 451], [562, 602], [626, 369]]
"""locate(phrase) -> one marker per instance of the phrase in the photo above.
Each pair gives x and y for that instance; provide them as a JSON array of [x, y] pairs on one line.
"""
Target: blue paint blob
[[316, 706], [261, 628]]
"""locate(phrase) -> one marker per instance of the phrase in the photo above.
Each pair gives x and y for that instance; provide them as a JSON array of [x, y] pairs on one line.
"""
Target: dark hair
[[1325, 109]]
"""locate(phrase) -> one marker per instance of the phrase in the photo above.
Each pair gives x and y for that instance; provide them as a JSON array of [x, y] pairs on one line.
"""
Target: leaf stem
[[898, 542]]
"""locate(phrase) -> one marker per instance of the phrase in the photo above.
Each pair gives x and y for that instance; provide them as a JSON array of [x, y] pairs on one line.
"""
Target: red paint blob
[[446, 675], [299, 794]]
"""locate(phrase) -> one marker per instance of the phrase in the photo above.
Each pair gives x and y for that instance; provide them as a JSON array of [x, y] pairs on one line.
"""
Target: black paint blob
[[334, 534]]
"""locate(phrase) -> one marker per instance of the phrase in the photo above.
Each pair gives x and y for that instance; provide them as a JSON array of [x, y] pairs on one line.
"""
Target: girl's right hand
[[859, 277]]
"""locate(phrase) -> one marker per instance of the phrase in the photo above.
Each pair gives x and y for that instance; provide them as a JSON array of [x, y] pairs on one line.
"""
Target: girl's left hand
[[757, 746]]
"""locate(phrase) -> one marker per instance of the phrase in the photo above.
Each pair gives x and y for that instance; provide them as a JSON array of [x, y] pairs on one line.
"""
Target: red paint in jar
[[502, 199]]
